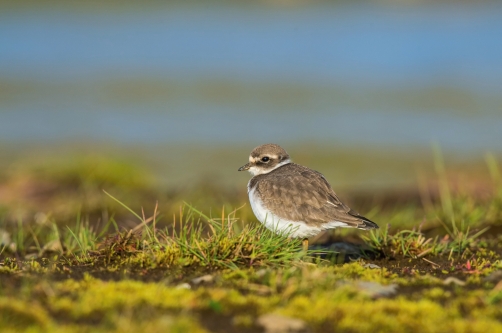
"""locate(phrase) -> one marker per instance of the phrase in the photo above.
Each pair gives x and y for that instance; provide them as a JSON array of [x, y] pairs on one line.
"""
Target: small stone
[[372, 266], [494, 277], [52, 246], [41, 218], [203, 279], [274, 323], [453, 280], [261, 273], [377, 290], [183, 286], [31, 256], [4, 238], [498, 287]]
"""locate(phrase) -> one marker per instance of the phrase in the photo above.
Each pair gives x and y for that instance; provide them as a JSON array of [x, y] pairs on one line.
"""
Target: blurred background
[[165, 100]]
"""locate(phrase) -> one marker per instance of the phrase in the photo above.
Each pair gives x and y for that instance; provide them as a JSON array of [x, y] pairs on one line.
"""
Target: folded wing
[[306, 196]]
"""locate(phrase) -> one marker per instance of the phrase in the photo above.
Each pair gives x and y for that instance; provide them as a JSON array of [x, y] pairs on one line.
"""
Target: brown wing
[[305, 195]]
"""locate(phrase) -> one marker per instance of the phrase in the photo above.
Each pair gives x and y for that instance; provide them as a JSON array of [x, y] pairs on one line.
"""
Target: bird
[[293, 200]]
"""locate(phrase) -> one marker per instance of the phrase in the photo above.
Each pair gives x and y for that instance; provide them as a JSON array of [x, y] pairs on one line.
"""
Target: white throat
[[255, 171]]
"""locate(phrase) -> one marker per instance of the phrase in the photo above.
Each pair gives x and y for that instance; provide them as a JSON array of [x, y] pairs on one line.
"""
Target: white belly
[[295, 229]]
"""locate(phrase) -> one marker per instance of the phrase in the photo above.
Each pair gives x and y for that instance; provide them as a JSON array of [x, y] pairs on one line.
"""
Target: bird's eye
[[265, 159]]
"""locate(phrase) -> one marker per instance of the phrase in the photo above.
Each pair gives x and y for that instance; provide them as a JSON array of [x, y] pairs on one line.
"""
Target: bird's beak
[[245, 167]]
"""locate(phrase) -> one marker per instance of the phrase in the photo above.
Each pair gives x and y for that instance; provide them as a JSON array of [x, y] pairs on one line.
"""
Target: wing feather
[[305, 195]]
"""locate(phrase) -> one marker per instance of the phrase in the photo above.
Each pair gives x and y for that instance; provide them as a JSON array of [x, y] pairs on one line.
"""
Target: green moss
[[17, 315], [325, 297], [385, 315], [436, 293], [85, 279]]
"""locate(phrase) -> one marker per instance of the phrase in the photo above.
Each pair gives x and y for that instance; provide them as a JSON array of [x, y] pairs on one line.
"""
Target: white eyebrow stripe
[[254, 170]]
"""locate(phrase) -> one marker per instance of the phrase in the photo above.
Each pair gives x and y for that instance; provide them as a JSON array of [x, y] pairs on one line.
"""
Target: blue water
[[362, 48]]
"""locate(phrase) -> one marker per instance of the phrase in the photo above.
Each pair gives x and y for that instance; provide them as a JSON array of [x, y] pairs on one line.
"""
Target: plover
[[294, 200]]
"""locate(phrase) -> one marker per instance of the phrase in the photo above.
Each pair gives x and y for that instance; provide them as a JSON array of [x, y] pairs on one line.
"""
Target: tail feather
[[365, 223], [368, 225]]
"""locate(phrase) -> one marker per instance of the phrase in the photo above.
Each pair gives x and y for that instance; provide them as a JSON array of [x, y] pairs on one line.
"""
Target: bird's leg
[[305, 244]]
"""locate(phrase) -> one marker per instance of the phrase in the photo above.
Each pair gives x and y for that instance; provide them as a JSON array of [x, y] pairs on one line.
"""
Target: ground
[[93, 261]]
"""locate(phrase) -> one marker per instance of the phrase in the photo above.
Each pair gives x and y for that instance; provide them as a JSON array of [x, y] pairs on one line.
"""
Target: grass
[[193, 270]]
